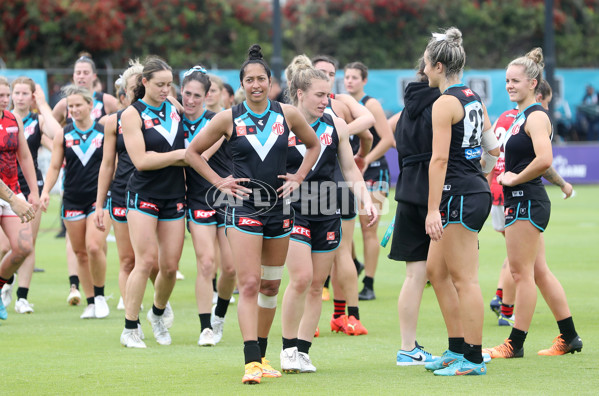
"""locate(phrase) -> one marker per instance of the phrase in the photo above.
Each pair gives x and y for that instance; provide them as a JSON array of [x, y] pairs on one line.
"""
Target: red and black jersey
[[9, 145], [504, 122]]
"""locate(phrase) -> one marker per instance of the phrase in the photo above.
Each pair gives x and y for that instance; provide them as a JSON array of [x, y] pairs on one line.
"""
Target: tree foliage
[[36, 33], [45, 33], [381, 33]]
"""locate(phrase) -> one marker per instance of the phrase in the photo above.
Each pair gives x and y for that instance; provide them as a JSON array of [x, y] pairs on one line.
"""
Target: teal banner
[[38, 75], [388, 87]]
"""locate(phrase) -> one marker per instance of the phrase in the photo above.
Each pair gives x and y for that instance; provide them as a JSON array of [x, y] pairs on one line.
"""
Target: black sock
[[11, 279], [327, 281], [251, 351], [214, 284], [566, 327], [473, 353], [518, 337], [131, 324], [263, 343], [90, 300], [205, 321], [22, 292], [303, 346], [74, 280], [368, 282], [357, 264], [353, 311], [221, 307], [289, 342], [456, 344], [137, 321], [98, 291], [157, 311]]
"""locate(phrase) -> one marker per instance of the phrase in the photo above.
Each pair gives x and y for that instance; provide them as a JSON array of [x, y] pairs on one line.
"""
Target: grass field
[[54, 352]]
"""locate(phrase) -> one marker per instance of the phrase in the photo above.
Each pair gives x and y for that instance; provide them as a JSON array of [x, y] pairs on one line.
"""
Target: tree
[[44, 33], [380, 33]]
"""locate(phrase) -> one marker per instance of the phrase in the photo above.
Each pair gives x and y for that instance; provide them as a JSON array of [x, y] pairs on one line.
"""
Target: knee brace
[[269, 273]]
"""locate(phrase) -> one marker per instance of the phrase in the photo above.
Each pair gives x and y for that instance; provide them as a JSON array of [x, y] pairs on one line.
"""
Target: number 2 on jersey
[[473, 124]]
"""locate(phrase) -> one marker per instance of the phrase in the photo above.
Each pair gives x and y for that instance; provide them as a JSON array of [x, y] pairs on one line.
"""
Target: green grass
[[54, 352]]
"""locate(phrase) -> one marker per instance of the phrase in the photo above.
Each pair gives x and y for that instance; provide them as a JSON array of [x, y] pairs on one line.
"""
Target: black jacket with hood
[[414, 137]]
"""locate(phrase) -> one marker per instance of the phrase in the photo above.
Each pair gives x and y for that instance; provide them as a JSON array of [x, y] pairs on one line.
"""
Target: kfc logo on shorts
[[299, 230], [330, 236], [509, 211], [148, 124], [286, 223], [240, 130], [246, 221], [278, 129], [72, 213], [203, 214], [119, 212], [326, 139], [468, 92], [180, 206], [148, 205], [175, 116]]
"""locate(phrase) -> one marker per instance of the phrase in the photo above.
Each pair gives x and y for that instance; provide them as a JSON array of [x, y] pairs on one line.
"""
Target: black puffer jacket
[[414, 137]]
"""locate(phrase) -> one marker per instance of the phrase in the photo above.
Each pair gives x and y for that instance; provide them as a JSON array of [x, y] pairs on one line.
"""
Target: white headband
[[440, 36]]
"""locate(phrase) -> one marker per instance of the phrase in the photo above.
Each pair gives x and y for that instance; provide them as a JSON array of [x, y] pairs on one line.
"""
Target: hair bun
[[536, 55], [255, 52], [300, 62], [454, 36], [84, 54]]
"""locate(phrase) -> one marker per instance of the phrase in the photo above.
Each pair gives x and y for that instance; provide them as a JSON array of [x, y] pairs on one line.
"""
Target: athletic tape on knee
[[272, 273], [265, 301]]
